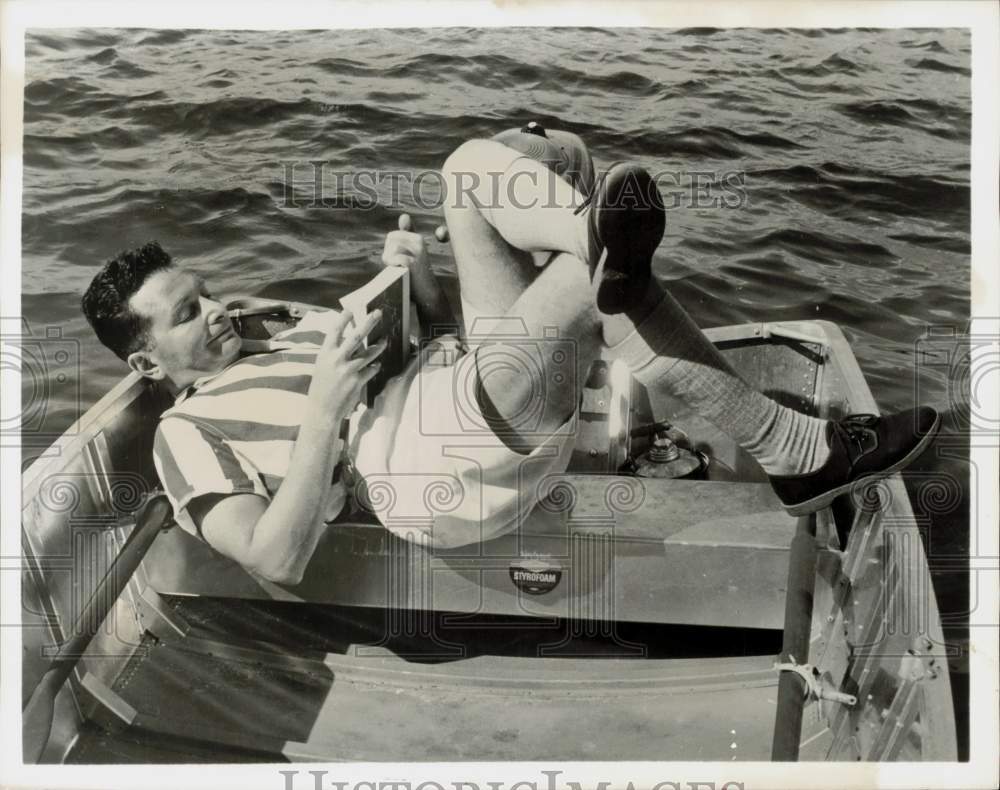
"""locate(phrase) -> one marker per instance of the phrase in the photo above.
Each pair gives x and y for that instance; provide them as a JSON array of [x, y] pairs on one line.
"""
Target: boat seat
[[599, 547]]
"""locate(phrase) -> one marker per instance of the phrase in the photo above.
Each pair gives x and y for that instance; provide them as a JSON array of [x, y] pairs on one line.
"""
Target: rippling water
[[853, 145]]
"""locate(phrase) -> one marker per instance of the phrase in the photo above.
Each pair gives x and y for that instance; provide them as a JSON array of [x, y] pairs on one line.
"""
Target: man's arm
[[406, 248], [276, 539]]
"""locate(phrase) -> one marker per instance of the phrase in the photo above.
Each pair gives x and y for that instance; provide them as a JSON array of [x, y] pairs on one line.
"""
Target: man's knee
[[462, 176], [472, 156], [473, 172]]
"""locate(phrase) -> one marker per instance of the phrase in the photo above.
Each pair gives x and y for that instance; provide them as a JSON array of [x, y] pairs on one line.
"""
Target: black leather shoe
[[625, 226], [863, 447]]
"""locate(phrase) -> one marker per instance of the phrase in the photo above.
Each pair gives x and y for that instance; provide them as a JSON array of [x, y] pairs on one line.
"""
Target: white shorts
[[432, 468]]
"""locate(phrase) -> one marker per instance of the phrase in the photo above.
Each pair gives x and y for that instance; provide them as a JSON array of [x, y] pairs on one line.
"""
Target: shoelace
[[597, 187], [857, 427], [590, 197]]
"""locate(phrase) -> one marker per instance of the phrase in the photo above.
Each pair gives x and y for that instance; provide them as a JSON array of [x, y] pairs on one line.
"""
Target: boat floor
[[224, 693]]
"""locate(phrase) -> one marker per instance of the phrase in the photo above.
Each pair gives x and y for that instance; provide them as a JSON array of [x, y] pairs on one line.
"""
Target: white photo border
[[982, 18]]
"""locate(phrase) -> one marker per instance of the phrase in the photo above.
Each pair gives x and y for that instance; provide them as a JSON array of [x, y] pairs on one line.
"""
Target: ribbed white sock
[[668, 350]]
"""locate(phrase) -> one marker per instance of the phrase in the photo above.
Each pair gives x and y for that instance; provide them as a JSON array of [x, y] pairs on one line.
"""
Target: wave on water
[[709, 142], [931, 46], [821, 248], [934, 118], [934, 242], [505, 72], [104, 57], [834, 64], [162, 37], [62, 97], [699, 32], [933, 64], [857, 192]]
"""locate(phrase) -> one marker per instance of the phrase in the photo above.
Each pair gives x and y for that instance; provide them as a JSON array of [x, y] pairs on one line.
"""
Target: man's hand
[[403, 247], [344, 365], [276, 539]]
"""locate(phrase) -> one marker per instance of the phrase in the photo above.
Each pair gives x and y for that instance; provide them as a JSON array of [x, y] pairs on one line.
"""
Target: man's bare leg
[[810, 461], [530, 390], [492, 273], [503, 204]]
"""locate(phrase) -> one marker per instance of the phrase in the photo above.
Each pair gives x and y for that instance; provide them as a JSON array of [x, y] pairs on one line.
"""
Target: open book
[[388, 291]]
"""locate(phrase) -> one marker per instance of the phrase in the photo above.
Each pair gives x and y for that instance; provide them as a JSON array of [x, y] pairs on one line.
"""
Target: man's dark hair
[[106, 302]]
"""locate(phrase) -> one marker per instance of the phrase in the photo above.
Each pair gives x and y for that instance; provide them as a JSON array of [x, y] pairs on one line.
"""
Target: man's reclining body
[[248, 452]]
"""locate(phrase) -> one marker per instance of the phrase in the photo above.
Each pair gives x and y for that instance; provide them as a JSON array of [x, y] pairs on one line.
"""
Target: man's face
[[190, 335]]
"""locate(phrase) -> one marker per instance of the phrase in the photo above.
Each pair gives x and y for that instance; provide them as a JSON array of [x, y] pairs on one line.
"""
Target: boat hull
[[710, 553]]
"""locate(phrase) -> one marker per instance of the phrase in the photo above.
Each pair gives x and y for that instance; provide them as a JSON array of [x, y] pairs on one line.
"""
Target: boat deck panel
[[256, 699], [677, 551]]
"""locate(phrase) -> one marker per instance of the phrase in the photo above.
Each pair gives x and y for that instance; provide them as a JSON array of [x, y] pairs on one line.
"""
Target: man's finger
[[374, 351], [368, 356], [355, 339], [370, 322], [398, 259], [368, 372], [339, 323], [405, 223]]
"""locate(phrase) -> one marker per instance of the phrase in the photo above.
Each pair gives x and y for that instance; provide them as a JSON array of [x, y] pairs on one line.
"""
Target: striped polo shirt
[[234, 432]]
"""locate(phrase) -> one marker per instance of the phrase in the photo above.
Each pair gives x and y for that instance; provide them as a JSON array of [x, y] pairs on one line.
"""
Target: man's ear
[[143, 364]]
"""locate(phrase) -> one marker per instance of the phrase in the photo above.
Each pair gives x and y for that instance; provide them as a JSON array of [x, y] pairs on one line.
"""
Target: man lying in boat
[[249, 449]]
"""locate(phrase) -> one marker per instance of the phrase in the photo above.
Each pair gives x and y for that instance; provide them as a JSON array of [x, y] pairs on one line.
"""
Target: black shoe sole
[[630, 236], [826, 498]]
